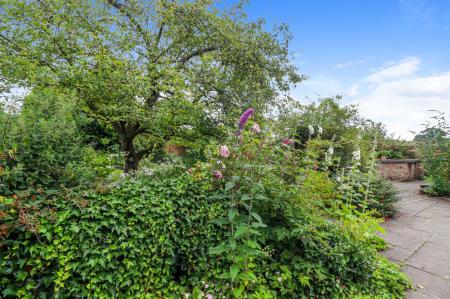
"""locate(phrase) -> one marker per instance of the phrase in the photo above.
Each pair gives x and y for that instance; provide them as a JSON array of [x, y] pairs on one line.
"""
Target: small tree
[[145, 68]]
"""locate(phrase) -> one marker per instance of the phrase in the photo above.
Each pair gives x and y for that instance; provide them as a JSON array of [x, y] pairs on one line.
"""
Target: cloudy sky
[[392, 57]]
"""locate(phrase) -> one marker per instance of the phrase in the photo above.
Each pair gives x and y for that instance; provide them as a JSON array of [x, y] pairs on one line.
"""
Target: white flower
[[311, 130], [320, 130], [357, 155], [330, 150], [279, 279], [186, 295]]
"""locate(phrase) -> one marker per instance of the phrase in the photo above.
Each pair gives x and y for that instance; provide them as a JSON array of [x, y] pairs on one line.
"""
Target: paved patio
[[419, 239]]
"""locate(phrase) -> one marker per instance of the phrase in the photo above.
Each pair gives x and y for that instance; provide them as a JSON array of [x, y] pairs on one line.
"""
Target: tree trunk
[[131, 157]]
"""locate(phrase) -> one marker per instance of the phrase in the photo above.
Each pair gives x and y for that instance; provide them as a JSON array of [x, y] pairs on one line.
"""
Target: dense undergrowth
[[257, 219], [150, 237]]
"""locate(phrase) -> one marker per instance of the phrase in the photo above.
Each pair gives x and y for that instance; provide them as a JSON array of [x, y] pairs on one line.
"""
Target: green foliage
[[146, 69], [42, 146], [329, 123], [166, 232], [434, 147], [289, 211], [144, 237], [396, 149], [380, 197]]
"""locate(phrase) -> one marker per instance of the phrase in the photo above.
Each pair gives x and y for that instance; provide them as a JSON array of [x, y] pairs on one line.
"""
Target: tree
[[145, 68]]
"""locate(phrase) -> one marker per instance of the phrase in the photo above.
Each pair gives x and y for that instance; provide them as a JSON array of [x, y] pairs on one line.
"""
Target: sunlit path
[[419, 238]]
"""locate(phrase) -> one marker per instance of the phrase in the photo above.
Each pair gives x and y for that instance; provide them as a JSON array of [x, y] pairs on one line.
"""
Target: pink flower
[[218, 175], [209, 296], [255, 128], [224, 152], [287, 141], [245, 116]]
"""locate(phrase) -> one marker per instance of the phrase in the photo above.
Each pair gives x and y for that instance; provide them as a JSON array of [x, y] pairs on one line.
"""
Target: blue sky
[[392, 57]]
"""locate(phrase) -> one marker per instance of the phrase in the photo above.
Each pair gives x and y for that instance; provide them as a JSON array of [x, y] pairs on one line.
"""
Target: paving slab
[[433, 258], [419, 240], [427, 283]]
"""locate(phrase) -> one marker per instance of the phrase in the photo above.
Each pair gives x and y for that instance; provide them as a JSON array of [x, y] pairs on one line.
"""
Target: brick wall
[[400, 170]]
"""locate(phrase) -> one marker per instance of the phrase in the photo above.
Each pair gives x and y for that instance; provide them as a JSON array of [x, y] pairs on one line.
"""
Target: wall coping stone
[[388, 161]]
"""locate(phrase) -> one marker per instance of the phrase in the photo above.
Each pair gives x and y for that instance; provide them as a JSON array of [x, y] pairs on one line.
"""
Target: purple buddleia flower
[[218, 175], [244, 117], [224, 152]]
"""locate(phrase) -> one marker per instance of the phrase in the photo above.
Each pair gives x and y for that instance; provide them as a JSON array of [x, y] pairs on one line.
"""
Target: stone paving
[[419, 240]]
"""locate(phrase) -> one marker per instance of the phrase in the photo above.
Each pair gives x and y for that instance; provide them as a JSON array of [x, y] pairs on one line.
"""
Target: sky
[[391, 57]]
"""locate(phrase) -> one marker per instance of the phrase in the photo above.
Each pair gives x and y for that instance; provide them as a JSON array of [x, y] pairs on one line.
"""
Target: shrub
[[145, 236], [244, 226], [434, 147], [380, 196]]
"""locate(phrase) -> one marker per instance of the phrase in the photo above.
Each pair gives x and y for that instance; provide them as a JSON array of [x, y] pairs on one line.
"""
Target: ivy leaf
[[234, 271]]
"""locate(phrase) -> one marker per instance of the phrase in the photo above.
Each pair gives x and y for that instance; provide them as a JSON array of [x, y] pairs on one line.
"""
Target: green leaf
[[245, 197], [220, 221], [241, 230], [21, 275], [218, 249], [234, 271], [258, 224], [232, 244], [256, 216], [229, 185], [237, 292], [231, 214], [235, 178]]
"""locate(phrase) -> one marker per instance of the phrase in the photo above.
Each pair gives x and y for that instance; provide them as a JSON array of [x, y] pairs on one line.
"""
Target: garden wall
[[401, 169]]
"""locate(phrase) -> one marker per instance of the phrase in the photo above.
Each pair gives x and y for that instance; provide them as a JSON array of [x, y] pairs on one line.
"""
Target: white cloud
[[400, 98], [396, 94], [405, 67]]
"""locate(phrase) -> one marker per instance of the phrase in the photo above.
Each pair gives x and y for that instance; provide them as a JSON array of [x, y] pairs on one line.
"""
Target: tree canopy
[[147, 69]]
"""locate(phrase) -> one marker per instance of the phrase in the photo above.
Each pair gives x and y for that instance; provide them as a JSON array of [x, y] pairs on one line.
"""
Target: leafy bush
[[245, 225], [434, 146], [151, 236], [145, 236], [380, 197], [43, 147]]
